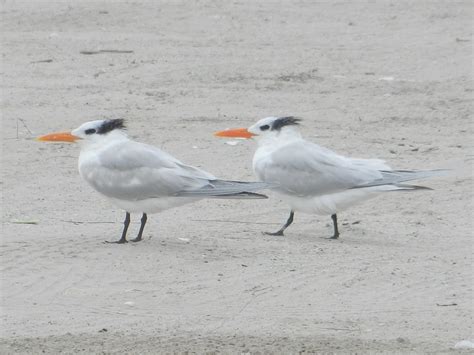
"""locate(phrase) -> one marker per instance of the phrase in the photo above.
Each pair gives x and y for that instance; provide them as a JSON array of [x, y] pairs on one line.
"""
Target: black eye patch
[[264, 127], [90, 131], [109, 125], [285, 121]]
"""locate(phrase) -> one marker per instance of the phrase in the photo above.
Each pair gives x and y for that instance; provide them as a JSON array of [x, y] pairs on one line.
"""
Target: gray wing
[[306, 169], [226, 188], [134, 171], [397, 177]]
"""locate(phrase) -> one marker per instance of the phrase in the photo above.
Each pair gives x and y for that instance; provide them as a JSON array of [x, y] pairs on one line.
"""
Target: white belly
[[152, 205], [332, 203]]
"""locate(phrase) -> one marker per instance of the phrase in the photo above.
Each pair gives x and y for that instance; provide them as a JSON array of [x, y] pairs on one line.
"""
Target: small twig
[[42, 61], [85, 222], [24, 124], [446, 304], [224, 221], [89, 52], [115, 51], [106, 51], [24, 222]]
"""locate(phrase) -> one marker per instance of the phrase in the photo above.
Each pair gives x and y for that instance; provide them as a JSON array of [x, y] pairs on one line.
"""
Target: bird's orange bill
[[58, 137], [235, 133]]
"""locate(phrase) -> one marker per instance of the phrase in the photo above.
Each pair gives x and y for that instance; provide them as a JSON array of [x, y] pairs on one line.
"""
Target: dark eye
[[264, 127], [90, 131]]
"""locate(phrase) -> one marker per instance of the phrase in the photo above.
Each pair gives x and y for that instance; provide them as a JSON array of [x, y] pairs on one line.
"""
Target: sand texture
[[388, 79]]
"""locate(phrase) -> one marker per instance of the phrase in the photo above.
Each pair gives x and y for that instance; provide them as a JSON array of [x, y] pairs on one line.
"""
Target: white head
[[90, 132], [266, 130], [95, 131]]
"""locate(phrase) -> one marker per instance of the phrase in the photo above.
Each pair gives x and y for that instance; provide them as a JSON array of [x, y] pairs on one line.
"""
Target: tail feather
[[228, 189], [241, 196], [408, 175], [397, 177], [412, 187]]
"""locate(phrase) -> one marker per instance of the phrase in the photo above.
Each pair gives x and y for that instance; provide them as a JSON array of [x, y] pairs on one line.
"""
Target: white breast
[[336, 202]]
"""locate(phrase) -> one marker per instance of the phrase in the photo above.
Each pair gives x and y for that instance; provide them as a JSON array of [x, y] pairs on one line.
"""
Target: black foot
[[277, 234], [140, 233], [121, 241], [336, 230]]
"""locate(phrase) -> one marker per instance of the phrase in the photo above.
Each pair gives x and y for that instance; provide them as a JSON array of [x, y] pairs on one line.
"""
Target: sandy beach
[[384, 80]]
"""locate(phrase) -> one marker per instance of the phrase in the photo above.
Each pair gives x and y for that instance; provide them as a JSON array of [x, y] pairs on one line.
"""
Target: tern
[[314, 179], [141, 178]]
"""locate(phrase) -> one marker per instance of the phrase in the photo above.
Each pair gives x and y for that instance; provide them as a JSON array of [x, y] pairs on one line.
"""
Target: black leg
[[336, 230], [126, 223], [142, 227], [286, 225]]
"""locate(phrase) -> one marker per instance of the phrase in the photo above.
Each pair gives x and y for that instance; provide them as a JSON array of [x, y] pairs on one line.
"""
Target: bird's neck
[[286, 135], [103, 142]]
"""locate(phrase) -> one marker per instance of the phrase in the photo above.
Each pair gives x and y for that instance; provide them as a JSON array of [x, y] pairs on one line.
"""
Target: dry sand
[[387, 79]]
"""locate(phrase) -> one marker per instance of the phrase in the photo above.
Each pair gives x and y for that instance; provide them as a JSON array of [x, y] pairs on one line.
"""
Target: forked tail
[[398, 177]]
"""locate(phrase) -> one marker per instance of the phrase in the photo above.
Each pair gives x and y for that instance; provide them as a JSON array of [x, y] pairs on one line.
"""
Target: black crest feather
[[285, 121], [110, 125]]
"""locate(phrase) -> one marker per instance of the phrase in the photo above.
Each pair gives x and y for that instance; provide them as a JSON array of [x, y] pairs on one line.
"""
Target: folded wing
[[134, 171], [306, 169]]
